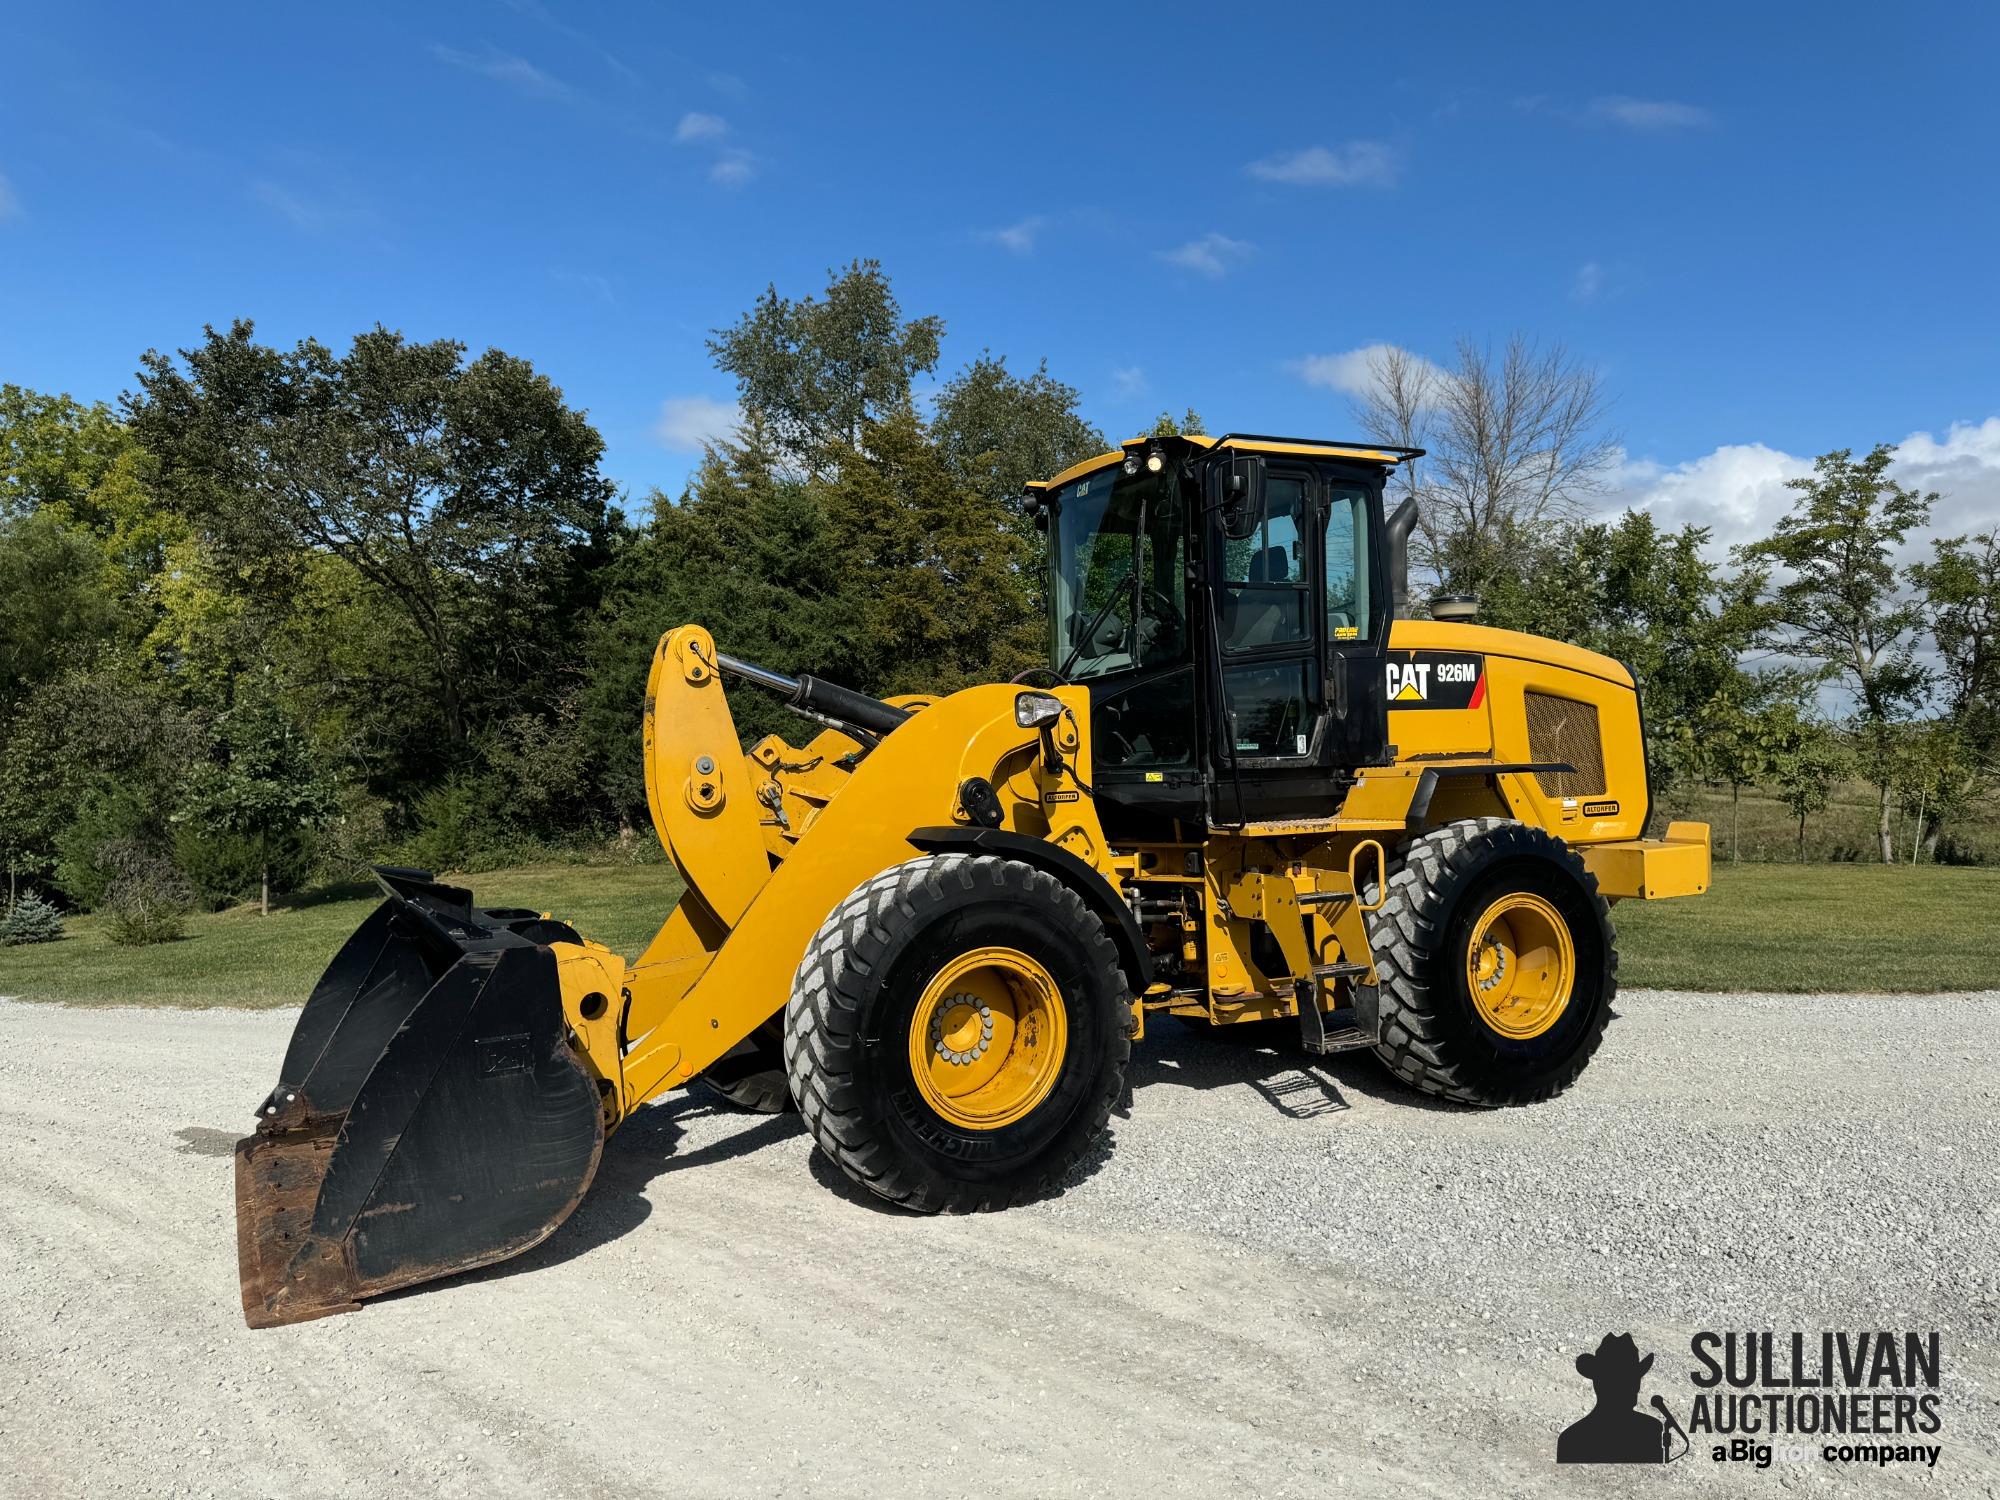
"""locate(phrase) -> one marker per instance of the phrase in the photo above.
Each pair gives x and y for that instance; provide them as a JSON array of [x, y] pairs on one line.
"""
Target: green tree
[[1653, 601], [82, 466], [452, 487], [1167, 425], [943, 601], [58, 594], [1807, 760], [1960, 588], [817, 372], [997, 430], [95, 756], [1837, 603], [266, 785]]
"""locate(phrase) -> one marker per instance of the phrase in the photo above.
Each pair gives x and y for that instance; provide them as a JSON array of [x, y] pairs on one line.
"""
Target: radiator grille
[[1563, 729]]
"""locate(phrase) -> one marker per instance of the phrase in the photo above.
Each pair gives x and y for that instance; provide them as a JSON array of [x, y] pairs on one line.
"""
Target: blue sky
[[1774, 227]]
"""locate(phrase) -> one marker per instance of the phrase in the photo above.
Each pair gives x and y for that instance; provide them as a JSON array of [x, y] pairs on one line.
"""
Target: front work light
[[1033, 710]]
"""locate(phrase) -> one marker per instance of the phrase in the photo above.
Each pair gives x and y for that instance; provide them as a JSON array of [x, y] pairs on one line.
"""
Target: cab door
[[1355, 614], [1300, 622]]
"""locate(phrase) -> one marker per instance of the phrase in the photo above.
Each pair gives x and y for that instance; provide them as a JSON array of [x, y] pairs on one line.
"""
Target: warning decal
[[1436, 679]]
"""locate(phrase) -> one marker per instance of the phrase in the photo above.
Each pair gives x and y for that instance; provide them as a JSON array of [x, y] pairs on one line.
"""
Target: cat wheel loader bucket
[[430, 1116]]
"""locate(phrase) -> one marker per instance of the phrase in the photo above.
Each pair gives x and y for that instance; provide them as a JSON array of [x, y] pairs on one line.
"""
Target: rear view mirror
[[1242, 495]]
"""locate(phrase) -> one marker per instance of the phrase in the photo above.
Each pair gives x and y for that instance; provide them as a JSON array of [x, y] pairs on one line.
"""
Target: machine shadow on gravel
[[645, 1150], [1268, 1057]]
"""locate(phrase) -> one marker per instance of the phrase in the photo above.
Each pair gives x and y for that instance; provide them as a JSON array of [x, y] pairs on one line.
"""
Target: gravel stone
[[1278, 1275]]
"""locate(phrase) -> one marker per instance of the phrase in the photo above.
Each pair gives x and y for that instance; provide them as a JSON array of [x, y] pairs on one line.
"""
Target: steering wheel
[[1162, 610]]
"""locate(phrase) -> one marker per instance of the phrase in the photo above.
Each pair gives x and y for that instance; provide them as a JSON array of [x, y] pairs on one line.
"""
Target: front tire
[[1497, 964], [958, 1033], [751, 1076]]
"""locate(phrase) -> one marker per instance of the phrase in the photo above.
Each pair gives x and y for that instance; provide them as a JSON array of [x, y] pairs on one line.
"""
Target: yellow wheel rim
[[1521, 965], [987, 1038]]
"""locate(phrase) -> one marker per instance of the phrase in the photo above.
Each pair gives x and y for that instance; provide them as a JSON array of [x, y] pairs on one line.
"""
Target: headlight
[[1033, 710]]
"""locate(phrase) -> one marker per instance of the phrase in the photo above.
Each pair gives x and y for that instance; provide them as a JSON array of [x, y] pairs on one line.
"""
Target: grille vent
[[1563, 729]]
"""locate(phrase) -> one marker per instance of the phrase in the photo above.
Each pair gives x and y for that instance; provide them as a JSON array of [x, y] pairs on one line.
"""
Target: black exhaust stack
[[1401, 524]]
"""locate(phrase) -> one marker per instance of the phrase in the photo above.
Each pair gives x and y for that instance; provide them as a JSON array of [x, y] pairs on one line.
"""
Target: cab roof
[[1249, 442]]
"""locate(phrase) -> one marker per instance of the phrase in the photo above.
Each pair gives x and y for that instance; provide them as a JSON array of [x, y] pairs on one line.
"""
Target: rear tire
[[910, 984], [1458, 1031]]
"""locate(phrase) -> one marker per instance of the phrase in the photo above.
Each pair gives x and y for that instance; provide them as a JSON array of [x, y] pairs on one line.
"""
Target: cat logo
[[1409, 681], [1436, 679]]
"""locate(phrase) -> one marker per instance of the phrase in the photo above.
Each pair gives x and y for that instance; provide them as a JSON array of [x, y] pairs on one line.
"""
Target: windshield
[[1120, 574]]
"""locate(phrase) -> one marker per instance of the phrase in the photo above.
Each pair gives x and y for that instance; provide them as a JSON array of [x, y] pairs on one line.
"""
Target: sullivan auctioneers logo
[[1853, 1399]]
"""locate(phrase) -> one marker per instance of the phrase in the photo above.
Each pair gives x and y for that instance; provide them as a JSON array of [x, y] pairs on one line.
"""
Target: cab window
[[1266, 586], [1347, 575]]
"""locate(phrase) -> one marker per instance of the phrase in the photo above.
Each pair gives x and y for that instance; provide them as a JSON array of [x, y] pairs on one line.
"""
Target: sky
[[1771, 227]]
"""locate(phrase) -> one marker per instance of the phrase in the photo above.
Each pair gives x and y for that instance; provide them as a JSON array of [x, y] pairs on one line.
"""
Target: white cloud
[[1128, 383], [1356, 164], [688, 423], [1650, 114], [1348, 373], [1588, 285], [10, 202], [733, 168], [1211, 255], [1739, 490], [696, 126], [504, 67], [1017, 239]]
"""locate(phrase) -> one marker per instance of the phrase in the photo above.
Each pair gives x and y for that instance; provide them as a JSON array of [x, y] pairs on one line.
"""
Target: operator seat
[[1257, 613]]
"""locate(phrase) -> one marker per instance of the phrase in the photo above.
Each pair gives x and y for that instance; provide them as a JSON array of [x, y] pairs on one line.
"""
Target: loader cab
[[1226, 602]]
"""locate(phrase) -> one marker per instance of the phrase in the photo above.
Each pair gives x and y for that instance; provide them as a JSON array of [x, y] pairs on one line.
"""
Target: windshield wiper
[[1090, 630]]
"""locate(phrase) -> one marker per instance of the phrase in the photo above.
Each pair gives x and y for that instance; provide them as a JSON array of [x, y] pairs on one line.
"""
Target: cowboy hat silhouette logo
[[1613, 1431]]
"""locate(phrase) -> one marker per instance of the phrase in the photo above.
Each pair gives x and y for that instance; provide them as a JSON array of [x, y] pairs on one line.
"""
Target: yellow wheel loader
[[1245, 788]]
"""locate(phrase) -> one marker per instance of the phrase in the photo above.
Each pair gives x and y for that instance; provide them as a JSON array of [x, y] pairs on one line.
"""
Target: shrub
[[148, 898], [228, 867], [30, 920], [105, 822], [454, 821]]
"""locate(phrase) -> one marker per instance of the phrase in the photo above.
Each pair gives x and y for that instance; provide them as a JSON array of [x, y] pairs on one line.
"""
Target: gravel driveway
[[1284, 1280]]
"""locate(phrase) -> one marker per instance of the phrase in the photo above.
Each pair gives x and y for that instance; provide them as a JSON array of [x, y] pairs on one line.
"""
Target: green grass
[[1791, 928], [1763, 927], [239, 958]]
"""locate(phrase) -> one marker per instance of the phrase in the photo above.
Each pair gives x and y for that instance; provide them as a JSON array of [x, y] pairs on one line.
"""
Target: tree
[[1167, 425], [266, 784], [817, 373], [1806, 761], [452, 488], [1960, 588], [943, 603], [1515, 442], [81, 466], [95, 756], [57, 595], [997, 430], [751, 553], [1653, 601], [1838, 604]]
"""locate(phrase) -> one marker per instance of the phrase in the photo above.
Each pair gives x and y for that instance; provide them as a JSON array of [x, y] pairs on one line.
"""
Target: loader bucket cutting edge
[[430, 1117]]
